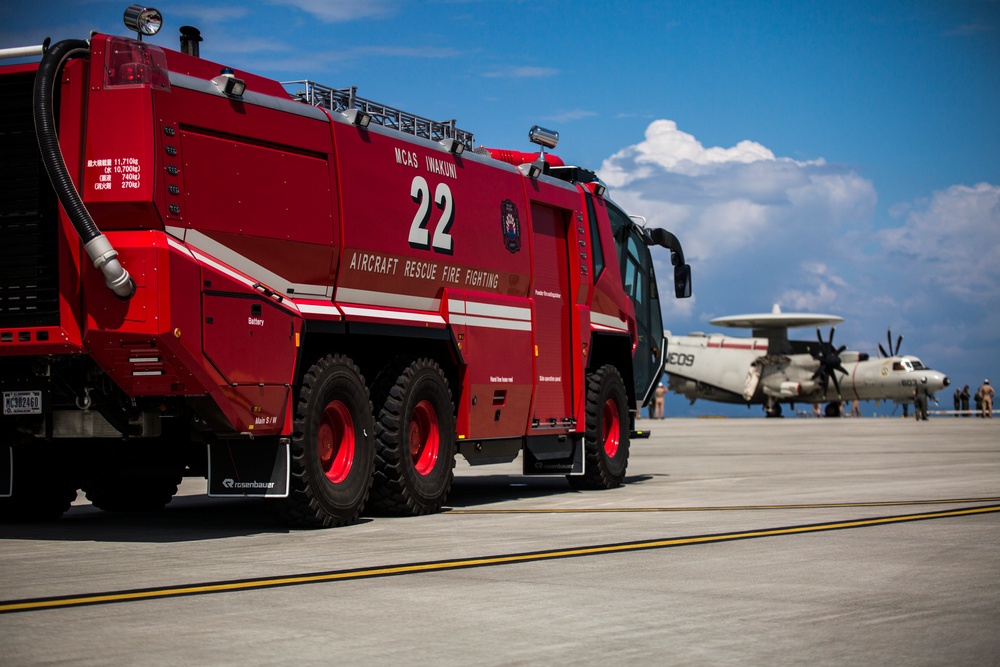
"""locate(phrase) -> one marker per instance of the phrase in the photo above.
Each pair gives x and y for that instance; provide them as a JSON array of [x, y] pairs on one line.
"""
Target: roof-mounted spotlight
[[143, 20], [357, 117], [542, 137], [228, 84], [600, 189], [453, 146]]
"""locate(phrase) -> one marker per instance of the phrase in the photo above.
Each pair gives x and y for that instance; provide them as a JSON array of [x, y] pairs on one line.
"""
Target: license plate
[[22, 402]]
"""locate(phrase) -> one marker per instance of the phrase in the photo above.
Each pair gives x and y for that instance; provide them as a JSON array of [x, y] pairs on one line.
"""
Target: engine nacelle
[[790, 389]]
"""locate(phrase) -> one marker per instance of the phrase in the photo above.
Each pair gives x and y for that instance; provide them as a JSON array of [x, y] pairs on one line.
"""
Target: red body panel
[[251, 224]]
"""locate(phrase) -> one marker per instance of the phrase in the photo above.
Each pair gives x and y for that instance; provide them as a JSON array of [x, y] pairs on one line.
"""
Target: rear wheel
[[606, 440], [133, 476], [415, 435], [333, 446], [42, 488]]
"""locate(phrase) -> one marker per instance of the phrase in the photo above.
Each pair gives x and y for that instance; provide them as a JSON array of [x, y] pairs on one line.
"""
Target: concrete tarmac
[[734, 542]]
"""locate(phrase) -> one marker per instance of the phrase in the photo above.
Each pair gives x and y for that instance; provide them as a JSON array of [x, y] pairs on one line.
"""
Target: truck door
[[640, 283], [639, 280], [553, 404]]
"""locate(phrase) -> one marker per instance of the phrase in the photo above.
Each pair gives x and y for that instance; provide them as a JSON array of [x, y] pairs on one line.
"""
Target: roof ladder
[[342, 99]]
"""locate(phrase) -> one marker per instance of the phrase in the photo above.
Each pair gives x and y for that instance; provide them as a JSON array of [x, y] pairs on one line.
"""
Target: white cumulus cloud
[[951, 242], [757, 228], [670, 149], [738, 208]]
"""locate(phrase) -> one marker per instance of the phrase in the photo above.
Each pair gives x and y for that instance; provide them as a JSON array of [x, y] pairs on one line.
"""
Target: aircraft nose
[[947, 381]]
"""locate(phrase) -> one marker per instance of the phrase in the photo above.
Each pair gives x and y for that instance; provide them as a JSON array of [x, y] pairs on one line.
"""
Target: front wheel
[[333, 448], [415, 435], [606, 440]]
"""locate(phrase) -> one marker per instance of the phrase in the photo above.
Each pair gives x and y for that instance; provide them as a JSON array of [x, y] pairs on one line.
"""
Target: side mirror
[[682, 271], [682, 281]]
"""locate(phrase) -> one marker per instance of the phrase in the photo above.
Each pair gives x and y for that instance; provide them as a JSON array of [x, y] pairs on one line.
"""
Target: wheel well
[[374, 350], [614, 349]]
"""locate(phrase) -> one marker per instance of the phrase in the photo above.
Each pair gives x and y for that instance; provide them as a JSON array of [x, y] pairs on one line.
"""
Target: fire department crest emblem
[[511, 226]]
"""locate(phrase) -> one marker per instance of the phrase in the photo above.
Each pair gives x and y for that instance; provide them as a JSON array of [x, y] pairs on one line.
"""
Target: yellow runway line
[[38, 604]]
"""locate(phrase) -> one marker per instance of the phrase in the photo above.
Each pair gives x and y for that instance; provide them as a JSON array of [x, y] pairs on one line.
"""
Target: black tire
[[333, 447], [606, 441], [124, 493], [133, 477], [832, 409], [43, 488], [415, 440]]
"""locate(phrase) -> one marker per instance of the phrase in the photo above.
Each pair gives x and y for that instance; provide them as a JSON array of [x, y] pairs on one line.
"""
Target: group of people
[[984, 400], [921, 397]]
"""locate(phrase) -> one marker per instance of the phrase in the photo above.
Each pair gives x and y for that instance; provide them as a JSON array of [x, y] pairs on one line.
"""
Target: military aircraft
[[769, 369]]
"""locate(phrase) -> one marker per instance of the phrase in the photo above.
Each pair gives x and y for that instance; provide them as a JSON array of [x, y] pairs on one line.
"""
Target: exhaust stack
[[190, 38]]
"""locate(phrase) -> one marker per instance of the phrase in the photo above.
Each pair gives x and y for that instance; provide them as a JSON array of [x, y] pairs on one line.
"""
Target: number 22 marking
[[420, 192]]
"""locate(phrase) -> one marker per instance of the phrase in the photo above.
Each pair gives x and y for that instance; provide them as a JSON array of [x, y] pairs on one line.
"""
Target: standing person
[[855, 408], [958, 400], [920, 398], [661, 393], [986, 394], [965, 401], [979, 403]]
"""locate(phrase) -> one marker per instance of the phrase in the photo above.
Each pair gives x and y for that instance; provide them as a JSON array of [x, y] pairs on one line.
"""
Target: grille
[[29, 274]]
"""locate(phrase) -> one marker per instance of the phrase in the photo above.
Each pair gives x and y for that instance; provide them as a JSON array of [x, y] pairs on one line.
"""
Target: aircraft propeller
[[829, 361], [895, 350]]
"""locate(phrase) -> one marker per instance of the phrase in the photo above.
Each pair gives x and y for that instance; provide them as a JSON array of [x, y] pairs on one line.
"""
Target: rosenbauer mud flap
[[554, 455], [254, 469]]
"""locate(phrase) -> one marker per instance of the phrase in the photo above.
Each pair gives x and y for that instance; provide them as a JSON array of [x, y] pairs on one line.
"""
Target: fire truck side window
[[634, 275], [620, 223], [596, 251], [628, 255]]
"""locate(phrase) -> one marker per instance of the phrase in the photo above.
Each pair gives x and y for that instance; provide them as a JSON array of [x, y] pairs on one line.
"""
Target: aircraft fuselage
[[740, 370]]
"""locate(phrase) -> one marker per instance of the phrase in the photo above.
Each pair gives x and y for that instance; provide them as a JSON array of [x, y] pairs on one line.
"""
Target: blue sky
[[833, 157]]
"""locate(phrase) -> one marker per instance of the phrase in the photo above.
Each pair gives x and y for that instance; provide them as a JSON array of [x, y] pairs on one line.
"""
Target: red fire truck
[[297, 293]]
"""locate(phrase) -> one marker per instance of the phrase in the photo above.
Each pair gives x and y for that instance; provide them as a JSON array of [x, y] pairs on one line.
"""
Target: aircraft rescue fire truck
[[297, 293]]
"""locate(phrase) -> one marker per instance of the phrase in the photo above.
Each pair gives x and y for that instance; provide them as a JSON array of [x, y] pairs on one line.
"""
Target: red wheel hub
[[335, 441], [425, 438], [612, 428]]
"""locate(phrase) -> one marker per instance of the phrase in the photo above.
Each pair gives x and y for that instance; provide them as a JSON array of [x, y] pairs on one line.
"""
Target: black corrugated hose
[[97, 246]]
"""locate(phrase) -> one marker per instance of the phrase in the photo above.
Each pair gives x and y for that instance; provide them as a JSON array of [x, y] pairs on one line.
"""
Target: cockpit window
[[917, 365], [903, 365]]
